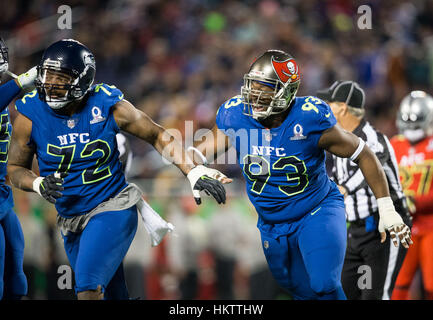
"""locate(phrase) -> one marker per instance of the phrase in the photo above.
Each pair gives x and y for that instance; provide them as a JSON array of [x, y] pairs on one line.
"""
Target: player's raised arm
[[347, 145], [12, 88], [137, 123], [215, 144], [21, 155], [20, 164]]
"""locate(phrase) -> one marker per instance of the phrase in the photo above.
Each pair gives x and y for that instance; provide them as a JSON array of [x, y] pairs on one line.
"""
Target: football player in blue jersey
[[280, 143], [71, 126], [13, 282]]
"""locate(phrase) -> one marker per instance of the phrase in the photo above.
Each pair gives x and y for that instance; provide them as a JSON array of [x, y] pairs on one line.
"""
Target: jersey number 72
[[94, 173]]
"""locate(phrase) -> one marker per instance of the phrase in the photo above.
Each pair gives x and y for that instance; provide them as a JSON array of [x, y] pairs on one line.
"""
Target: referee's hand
[[397, 229], [343, 191]]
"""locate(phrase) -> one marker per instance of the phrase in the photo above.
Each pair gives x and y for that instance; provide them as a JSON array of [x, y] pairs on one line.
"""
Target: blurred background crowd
[[178, 61]]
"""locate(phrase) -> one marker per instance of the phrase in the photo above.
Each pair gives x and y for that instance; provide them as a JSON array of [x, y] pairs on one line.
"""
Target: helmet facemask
[[415, 116], [59, 86], [260, 104]]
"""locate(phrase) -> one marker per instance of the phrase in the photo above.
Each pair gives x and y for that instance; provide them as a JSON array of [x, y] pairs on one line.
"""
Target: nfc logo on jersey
[[267, 151], [71, 138]]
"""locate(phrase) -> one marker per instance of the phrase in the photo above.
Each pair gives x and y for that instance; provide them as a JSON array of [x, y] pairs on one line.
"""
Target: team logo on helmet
[[287, 70], [89, 60]]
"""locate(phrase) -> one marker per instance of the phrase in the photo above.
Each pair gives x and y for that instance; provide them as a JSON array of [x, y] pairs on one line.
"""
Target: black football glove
[[50, 186], [207, 180]]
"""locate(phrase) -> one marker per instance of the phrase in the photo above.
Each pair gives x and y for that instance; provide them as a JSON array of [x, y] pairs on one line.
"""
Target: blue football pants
[[97, 252], [308, 261], [13, 282]]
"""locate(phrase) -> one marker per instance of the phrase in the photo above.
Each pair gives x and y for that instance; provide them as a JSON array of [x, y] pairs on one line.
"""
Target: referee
[[370, 267]]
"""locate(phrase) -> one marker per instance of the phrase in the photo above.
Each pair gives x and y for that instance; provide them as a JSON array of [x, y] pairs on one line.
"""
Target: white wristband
[[358, 150], [196, 173], [36, 184]]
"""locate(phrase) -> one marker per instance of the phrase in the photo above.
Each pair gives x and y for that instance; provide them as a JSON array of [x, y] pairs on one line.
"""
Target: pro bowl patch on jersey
[[297, 133], [96, 114]]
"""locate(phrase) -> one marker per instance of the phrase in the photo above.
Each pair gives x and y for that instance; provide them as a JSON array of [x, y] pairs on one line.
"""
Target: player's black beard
[[73, 107], [276, 120]]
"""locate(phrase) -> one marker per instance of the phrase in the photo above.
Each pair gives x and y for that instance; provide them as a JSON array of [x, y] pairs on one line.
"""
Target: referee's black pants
[[370, 267]]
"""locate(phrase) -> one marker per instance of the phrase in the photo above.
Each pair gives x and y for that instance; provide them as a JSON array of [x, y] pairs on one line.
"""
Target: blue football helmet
[[65, 74]]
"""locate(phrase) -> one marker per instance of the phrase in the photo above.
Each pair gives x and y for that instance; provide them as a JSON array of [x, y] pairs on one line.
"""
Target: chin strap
[[201, 155], [57, 105]]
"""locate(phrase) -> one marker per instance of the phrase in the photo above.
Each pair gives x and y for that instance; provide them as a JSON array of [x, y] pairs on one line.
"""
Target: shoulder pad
[[109, 90], [316, 105], [105, 95], [316, 113], [233, 102], [228, 113], [29, 96]]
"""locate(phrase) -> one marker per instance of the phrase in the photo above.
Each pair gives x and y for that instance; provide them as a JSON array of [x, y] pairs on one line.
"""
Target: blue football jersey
[[5, 139], [284, 169], [6, 200], [83, 145], [8, 92]]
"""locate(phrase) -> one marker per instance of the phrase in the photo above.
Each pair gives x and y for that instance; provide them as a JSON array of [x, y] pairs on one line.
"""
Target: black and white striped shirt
[[360, 201]]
